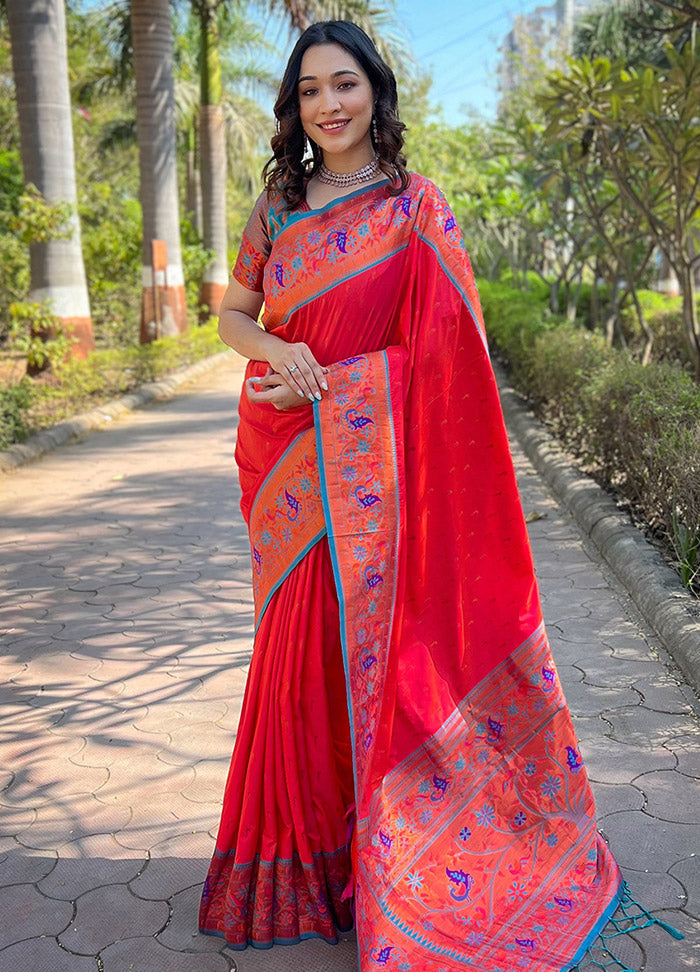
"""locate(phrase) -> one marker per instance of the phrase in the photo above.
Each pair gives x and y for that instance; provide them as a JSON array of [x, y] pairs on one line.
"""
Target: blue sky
[[458, 41]]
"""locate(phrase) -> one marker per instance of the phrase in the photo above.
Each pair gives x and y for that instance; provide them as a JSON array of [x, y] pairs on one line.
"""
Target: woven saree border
[[314, 291], [286, 519], [221, 855], [458, 287], [355, 507]]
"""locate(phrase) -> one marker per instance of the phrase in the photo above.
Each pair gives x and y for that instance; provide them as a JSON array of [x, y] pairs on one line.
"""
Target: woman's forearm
[[295, 362], [243, 334]]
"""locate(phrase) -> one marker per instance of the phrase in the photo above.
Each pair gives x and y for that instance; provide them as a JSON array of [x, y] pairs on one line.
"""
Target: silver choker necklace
[[345, 179]]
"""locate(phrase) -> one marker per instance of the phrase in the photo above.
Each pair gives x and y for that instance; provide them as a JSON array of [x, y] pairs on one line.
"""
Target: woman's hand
[[296, 365], [273, 388]]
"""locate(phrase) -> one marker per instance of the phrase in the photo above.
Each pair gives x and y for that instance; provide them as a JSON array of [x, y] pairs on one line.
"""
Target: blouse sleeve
[[255, 248]]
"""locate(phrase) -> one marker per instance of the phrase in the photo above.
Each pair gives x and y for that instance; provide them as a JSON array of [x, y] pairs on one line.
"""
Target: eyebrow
[[336, 74]]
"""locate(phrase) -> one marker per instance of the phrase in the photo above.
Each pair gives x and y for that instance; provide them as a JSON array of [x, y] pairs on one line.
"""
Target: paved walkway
[[126, 614]]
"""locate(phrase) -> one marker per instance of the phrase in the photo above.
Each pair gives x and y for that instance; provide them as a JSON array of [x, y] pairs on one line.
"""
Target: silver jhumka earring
[[374, 129]]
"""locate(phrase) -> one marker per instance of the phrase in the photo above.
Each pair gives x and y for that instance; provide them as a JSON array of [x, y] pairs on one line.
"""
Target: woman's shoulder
[[428, 195], [421, 185]]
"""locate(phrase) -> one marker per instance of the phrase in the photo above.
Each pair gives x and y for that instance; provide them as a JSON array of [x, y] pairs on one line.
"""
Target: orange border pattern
[[286, 519], [465, 836], [363, 490], [312, 252]]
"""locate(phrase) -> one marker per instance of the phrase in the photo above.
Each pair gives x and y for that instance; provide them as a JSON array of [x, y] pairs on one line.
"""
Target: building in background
[[539, 40]]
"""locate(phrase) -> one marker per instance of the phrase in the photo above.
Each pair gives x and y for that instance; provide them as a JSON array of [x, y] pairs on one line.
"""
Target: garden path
[[127, 613]]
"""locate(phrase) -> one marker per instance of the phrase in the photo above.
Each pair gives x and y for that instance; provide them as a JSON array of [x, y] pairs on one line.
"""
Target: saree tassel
[[629, 917]]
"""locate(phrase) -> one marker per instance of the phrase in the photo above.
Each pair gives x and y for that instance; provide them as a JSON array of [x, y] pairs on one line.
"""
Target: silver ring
[[292, 368]]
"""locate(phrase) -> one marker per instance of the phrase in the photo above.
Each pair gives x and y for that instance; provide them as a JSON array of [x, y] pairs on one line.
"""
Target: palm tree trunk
[[213, 161], [40, 66], [163, 308]]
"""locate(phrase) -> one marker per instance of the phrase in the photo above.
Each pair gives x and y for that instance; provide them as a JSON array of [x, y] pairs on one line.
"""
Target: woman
[[401, 684]]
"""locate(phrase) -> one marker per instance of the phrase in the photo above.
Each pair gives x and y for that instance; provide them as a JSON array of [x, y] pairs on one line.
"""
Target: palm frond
[[248, 129], [186, 102], [379, 22]]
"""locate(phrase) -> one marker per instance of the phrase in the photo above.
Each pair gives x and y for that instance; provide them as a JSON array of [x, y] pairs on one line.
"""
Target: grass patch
[[31, 404]]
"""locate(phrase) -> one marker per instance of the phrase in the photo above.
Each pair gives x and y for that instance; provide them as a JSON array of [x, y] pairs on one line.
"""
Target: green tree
[[645, 129], [40, 67]]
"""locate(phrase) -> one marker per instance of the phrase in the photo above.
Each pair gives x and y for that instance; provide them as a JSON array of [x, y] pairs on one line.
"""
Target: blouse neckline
[[304, 207]]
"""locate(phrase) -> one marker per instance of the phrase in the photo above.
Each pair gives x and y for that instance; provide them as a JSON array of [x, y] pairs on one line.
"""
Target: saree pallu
[[475, 843]]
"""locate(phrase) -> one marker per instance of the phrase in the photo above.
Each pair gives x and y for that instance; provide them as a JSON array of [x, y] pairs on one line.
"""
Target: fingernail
[[300, 393], [311, 397], [324, 386], [318, 396]]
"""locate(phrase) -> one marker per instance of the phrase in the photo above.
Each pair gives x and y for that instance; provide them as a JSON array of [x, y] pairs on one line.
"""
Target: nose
[[330, 102]]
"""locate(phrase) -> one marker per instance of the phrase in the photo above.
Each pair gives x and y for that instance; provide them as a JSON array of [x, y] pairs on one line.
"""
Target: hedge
[[32, 404], [636, 428]]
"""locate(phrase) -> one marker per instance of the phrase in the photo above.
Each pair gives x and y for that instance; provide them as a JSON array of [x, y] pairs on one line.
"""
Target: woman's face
[[336, 103]]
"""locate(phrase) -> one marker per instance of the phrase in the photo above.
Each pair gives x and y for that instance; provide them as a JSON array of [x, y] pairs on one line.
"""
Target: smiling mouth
[[334, 126]]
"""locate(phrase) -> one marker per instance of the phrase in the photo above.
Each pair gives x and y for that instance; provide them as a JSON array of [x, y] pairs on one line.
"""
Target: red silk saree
[[401, 682]]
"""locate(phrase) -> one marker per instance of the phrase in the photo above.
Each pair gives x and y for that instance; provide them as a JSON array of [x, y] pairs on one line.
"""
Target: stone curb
[[652, 584], [57, 435]]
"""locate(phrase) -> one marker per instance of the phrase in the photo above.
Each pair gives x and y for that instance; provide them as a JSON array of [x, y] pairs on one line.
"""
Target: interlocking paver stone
[[127, 604], [39, 954], [660, 788], [88, 863], [164, 877], [687, 751], [20, 865], [639, 838], [688, 873], [146, 955], [25, 913], [109, 914], [180, 932]]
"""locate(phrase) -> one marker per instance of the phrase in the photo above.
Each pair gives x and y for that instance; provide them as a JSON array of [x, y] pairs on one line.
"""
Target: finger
[[319, 372], [266, 381], [261, 395], [312, 385], [295, 379]]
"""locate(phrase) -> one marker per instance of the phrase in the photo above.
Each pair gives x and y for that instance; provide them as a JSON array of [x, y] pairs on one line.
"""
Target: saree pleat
[[282, 858]]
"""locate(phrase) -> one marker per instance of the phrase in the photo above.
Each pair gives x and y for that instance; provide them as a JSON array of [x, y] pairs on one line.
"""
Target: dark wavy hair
[[287, 172]]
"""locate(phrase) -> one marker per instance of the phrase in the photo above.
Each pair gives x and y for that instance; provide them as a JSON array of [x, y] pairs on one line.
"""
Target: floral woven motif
[[363, 490], [286, 519], [475, 840], [281, 901], [467, 833], [250, 265]]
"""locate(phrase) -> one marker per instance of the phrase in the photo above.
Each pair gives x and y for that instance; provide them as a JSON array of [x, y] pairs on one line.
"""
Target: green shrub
[[15, 401], [584, 310], [514, 321], [637, 427], [564, 361], [644, 437], [111, 238], [77, 385], [664, 317]]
